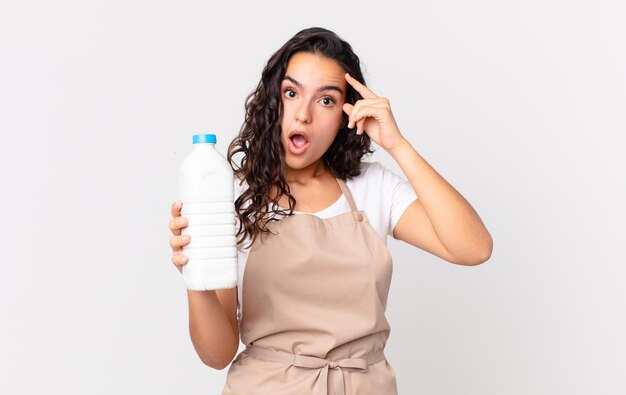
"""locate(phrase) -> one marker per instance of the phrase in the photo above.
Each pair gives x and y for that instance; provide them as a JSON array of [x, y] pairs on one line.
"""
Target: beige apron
[[313, 318]]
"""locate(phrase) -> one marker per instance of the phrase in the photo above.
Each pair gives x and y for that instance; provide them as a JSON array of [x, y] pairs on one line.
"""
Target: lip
[[298, 132], [297, 150]]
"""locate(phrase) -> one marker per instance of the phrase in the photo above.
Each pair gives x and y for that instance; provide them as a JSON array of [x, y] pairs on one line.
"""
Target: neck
[[305, 175]]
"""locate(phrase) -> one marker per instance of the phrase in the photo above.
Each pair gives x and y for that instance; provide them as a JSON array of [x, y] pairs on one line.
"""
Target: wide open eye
[[328, 101]]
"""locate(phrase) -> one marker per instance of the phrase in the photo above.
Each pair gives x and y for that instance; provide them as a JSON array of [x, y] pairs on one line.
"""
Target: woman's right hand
[[177, 241]]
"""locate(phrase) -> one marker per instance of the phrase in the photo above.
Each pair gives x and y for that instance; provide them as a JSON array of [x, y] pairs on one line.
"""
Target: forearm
[[212, 334], [456, 223]]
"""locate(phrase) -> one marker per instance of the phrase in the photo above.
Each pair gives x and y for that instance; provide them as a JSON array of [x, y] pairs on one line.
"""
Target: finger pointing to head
[[359, 87]]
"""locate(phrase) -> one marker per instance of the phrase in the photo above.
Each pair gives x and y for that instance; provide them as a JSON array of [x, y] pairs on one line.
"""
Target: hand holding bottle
[[177, 241]]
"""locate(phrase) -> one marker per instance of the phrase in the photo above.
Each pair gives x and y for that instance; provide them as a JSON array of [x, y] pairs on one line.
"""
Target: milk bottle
[[206, 191]]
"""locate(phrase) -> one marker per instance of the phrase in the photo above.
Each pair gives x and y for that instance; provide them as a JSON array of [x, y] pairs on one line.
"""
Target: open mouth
[[298, 143]]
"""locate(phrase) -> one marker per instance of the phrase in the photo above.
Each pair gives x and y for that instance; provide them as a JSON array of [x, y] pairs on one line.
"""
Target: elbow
[[221, 366], [485, 253], [216, 364], [480, 256], [212, 363], [482, 259], [220, 361], [220, 356]]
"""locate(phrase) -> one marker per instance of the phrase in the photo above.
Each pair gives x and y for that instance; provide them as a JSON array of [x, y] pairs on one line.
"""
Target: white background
[[518, 104]]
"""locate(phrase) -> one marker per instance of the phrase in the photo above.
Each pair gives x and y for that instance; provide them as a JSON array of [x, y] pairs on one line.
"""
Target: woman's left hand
[[372, 115]]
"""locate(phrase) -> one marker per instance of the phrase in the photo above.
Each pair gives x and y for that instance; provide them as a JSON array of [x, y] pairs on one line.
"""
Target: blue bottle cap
[[204, 138]]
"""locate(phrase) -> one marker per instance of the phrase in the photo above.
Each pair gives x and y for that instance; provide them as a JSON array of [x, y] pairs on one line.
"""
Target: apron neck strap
[[346, 191]]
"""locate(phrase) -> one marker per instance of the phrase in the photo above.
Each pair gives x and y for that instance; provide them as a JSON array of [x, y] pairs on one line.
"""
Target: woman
[[313, 221]]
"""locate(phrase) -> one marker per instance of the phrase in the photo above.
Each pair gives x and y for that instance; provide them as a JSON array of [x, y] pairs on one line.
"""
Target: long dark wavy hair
[[262, 165]]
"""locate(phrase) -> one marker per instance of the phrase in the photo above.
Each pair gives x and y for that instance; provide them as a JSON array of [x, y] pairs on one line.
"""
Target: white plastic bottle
[[207, 191]]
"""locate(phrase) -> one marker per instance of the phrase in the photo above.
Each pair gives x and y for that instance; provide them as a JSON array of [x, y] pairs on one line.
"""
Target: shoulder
[[368, 188], [377, 182], [371, 173]]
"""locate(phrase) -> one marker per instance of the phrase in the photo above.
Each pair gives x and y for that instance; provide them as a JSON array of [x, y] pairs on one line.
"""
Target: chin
[[297, 164]]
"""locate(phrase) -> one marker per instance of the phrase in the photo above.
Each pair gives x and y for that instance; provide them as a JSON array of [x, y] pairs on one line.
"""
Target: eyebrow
[[322, 88]]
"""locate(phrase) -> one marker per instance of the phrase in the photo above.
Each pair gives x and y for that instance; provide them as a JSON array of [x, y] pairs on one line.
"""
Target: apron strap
[[346, 191]]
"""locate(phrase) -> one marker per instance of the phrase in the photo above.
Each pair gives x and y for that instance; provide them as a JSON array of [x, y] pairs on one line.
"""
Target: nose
[[303, 112]]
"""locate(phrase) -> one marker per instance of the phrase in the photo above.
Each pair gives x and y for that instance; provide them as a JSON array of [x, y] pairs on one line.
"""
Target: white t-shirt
[[379, 192]]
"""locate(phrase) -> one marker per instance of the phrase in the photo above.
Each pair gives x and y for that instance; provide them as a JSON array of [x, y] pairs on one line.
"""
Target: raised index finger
[[362, 89]]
